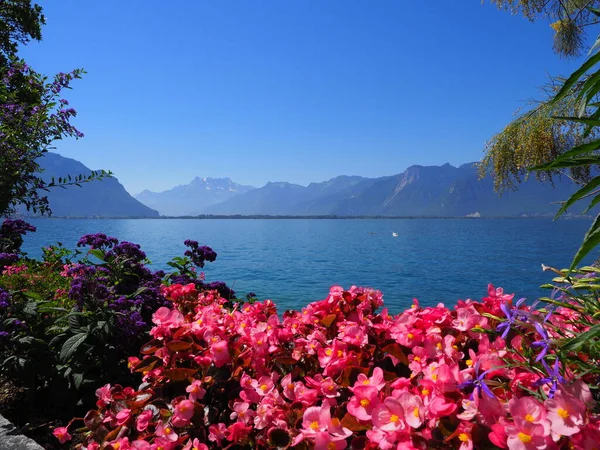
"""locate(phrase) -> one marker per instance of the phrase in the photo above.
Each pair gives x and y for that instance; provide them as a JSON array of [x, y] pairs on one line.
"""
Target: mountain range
[[193, 198], [423, 191], [102, 198], [427, 191]]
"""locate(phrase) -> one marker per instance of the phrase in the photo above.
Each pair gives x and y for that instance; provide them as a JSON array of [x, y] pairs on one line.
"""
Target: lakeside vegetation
[[98, 351]]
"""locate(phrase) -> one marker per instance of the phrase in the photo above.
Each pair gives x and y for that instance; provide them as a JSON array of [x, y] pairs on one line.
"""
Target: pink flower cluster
[[340, 375]]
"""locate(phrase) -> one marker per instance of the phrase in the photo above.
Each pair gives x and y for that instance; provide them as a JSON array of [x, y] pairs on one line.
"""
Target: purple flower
[[554, 378], [478, 382], [511, 316], [98, 240], [543, 343], [198, 254]]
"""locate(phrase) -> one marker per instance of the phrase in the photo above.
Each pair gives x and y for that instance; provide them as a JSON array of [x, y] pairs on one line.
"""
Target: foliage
[[69, 322], [338, 374], [32, 116], [534, 138], [568, 19], [20, 21]]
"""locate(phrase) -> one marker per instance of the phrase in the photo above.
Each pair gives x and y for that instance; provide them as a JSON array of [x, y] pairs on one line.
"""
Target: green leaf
[[575, 151], [591, 240], [572, 162], [97, 253], [575, 76], [71, 345], [589, 187], [592, 204], [77, 380], [577, 342]]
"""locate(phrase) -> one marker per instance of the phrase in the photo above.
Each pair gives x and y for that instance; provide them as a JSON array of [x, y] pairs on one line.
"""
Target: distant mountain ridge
[[102, 198], [427, 191], [193, 198]]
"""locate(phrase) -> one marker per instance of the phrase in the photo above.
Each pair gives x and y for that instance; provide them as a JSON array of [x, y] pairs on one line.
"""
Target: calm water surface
[[294, 262]]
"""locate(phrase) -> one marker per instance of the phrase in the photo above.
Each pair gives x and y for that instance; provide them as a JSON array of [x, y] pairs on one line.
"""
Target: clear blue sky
[[288, 90]]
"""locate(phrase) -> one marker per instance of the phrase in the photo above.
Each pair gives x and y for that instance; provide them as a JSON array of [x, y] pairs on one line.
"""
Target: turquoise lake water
[[294, 262]]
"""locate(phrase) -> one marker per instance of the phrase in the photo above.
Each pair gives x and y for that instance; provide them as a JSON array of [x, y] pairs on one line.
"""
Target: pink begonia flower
[[263, 385], [566, 413], [166, 432], [195, 445], [389, 416], [62, 434], [242, 411], [376, 379], [195, 390], [498, 434], [414, 411], [170, 318], [96, 446], [527, 436], [324, 441], [384, 441], [363, 402], [184, 411], [123, 416], [143, 420], [162, 443], [237, 432], [439, 407], [216, 433], [104, 396], [220, 353], [530, 410]]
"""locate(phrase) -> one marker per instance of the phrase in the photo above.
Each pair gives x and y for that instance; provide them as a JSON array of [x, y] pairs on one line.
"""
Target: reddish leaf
[[396, 351], [146, 364], [113, 434], [179, 374], [151, 347], [328, 320], [350, 422], [350, 374], [177, 346], [285, 360]]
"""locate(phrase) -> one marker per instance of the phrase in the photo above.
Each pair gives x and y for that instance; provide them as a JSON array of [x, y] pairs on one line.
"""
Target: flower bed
[[339, 374]]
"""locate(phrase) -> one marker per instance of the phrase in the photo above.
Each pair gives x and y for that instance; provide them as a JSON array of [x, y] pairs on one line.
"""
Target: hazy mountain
[[419, 191], [191, 199], [105, 198]]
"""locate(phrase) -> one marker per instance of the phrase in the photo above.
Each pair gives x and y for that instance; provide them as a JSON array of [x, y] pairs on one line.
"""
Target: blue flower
[[511, 316], [478, 382], [554, 378]]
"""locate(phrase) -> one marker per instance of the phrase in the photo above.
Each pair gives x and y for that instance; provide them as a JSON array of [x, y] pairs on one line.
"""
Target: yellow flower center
[[243, 325], [331, 446], [434, 376], [563, 413], [367, 381], [364, 402], [455, 347], [168, 430], [314, 425], [417, 359], [410, 335], [524, 438], [425, 391], [469, 362], [529, 418], [463, 437], [259, 342], [331, 387], [394, 418], [416, 412], [340, 353], [264, 388], [328, 352], [290, 386], [116, 445], [439, 345]]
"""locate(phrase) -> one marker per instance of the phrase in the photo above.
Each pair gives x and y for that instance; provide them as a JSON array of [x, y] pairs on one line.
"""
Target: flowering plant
[[338, 374]]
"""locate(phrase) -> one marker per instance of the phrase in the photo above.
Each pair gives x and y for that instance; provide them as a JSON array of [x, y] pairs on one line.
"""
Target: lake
[[295, 261]]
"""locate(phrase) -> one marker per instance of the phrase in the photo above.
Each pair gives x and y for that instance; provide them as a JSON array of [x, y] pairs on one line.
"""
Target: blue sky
[[288, 90]]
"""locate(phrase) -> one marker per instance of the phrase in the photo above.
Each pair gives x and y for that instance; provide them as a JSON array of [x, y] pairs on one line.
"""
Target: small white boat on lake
[[394, 234]]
